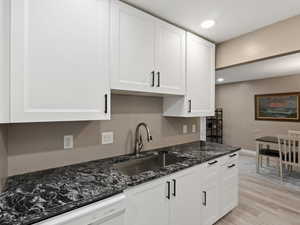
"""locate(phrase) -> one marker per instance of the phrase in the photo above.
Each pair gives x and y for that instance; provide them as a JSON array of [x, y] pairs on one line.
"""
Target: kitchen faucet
[[138, 138]]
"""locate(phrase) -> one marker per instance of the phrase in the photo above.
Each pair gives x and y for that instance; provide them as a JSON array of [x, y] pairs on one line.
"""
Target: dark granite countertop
[[33, 197]]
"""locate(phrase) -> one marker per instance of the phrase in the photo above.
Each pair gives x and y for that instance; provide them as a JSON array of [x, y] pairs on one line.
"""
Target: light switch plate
[[68, 142], [184, 129], [194, 128], [107, 138]]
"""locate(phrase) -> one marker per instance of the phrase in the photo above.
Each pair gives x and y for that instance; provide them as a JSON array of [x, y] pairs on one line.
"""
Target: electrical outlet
[[194, 128], [184, 129], [68, 142], [107, 138]]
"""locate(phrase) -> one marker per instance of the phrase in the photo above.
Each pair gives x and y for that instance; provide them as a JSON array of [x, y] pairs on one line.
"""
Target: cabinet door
[[133, 49], [186, 199], [148, 204], [171, 59], [210, 197], [229, 188], [59, 60], [200, 76], [4, 61]]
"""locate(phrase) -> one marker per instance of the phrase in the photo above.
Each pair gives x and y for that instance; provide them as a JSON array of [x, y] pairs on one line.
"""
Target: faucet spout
[[138, 137]]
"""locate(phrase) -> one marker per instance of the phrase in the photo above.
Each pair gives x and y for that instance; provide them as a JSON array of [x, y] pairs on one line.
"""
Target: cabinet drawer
[[230, 168], [215, 163], [231, 158]]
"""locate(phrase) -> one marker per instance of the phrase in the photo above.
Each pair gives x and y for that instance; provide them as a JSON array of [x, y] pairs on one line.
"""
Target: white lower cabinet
[[185, 203], [148, 204], [200, 195], [210, 193], [229, 187]]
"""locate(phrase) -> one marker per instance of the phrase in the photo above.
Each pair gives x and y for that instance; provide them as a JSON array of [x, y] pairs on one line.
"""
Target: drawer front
[[231, 158], [216, 163]]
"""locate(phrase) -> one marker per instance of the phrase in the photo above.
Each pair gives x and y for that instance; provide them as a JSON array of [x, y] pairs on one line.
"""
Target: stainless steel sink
[[137, 166]]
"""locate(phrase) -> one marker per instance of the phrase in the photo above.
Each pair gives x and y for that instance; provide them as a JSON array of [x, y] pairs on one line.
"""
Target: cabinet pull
[[190, 106], [212, 163], [169, 189], [231, 166], [204, 198], [158, 79], [105, 103], [233, 155], [174, 191], [153, 78]]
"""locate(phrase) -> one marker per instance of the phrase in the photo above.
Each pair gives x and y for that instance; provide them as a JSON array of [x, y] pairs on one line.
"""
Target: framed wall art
[[280, 107]]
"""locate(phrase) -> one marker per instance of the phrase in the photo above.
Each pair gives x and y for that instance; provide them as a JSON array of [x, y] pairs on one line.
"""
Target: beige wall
[[3, 154], [279, 38], [237, 101], [39, 146]]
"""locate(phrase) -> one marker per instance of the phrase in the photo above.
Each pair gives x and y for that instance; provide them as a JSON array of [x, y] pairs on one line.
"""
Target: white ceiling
[[233, 17], [275, 67]]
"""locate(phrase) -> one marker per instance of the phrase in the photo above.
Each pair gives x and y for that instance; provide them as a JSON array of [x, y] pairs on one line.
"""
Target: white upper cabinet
[[200, 75], [148, 55], [199, 100], [170, 59], [4, 61], [60, 60], [133, 48]]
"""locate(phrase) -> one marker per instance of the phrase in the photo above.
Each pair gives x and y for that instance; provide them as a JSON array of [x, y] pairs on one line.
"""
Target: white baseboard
[[248, 152]]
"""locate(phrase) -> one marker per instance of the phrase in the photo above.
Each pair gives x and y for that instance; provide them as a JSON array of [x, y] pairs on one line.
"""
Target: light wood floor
[[263, 202]]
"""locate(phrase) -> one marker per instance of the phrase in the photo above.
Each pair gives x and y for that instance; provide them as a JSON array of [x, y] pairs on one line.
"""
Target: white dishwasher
[[110, 211]]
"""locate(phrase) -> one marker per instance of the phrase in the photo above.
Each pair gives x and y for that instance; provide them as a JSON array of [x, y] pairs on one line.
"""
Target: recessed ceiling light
[[206, 24], [220, 80]]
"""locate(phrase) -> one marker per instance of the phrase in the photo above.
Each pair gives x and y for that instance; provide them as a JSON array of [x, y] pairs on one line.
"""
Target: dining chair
[[289, 149]]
